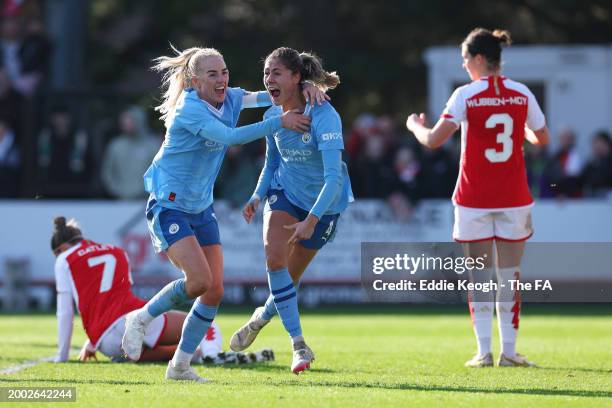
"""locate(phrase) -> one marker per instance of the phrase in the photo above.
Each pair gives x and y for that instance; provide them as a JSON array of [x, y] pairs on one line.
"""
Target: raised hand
[[312, 93], [415, 120]]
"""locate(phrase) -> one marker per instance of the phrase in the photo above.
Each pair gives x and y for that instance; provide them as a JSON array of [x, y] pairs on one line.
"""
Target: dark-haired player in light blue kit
[[200, 112], [307, 186]]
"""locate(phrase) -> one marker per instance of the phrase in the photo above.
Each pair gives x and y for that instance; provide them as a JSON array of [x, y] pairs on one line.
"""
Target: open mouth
[[220, 90], [274, 91]]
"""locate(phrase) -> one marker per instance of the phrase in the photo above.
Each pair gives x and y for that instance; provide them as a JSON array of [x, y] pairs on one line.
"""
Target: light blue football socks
[[172, 296], [196, 325], [284, 295]]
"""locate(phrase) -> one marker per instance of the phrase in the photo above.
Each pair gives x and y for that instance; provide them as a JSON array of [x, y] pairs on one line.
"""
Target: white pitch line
[[18, 367], [27, 364]]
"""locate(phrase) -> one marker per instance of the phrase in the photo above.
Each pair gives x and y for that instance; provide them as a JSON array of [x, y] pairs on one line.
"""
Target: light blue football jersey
[[300, 170], [184, 171]]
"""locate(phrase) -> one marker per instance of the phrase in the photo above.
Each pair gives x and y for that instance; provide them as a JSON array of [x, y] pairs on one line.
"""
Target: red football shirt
[[98, 276], [493, 113]]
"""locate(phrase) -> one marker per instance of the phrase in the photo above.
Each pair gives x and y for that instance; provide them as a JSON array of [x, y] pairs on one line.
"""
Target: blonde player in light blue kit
[[307, 186]]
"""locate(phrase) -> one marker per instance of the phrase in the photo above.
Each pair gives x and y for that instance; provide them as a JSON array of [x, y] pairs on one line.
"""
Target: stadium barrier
[[333, 277]]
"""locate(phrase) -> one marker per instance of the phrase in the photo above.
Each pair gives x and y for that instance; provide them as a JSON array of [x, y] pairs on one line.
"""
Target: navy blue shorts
[[325, 230], [167, 226]]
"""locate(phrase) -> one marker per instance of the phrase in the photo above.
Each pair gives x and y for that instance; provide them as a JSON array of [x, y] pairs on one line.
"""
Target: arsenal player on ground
[[492, 199], [97, 276]]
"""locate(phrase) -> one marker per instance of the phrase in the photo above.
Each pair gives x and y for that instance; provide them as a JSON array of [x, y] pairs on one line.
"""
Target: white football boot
[[183, 373], [516, 361], [480, 361], [133, 337], [302, 357], [246, 335]]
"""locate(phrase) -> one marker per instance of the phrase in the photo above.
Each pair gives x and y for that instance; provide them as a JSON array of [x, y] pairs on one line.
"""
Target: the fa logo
[[272, 199], [306, 138], [173, 229]]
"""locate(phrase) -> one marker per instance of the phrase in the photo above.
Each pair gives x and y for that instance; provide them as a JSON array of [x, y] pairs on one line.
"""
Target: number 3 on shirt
[[504, 138]]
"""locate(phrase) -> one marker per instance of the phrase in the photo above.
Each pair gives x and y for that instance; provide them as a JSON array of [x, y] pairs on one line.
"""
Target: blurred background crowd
[[76, 118]]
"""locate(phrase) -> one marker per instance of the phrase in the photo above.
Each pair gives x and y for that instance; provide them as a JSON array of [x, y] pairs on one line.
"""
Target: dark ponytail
[[488, 44], [64, 232], [312, 70], [308, 65]]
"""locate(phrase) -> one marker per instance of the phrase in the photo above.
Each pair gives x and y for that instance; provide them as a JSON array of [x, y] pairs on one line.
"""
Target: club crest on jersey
[[306, 137], [272, 199], [173, 228]]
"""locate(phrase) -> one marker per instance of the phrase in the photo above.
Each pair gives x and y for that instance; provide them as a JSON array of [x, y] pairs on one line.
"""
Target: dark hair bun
[[59, 222], [503, 36]]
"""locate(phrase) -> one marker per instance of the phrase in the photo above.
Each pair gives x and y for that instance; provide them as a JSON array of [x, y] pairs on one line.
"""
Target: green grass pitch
[[400, 356]]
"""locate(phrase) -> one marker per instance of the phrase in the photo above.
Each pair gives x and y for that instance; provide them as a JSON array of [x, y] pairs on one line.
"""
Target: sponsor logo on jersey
[[213, 146], [295, 152], [272, 199], [173, 228], [172, 196], [331, 136], [306, 137], [295, 155]]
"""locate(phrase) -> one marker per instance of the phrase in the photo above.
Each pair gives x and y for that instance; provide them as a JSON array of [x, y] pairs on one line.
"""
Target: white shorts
[[478, 224], [110, 343]]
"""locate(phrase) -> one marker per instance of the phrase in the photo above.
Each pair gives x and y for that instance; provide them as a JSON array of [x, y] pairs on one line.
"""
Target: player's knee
[[275, 257], [214, 294], [275, 263], [196, 286]]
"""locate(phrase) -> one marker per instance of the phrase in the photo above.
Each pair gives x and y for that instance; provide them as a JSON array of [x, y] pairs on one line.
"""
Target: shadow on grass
[[411, 309], [581, 369], [264, 367], [355, 385], [73, 381], [416, 387]]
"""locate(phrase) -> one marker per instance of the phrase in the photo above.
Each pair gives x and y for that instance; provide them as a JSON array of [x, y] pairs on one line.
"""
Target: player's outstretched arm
[[539, 137], [65, 315], [432, 138], [217, 132]]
